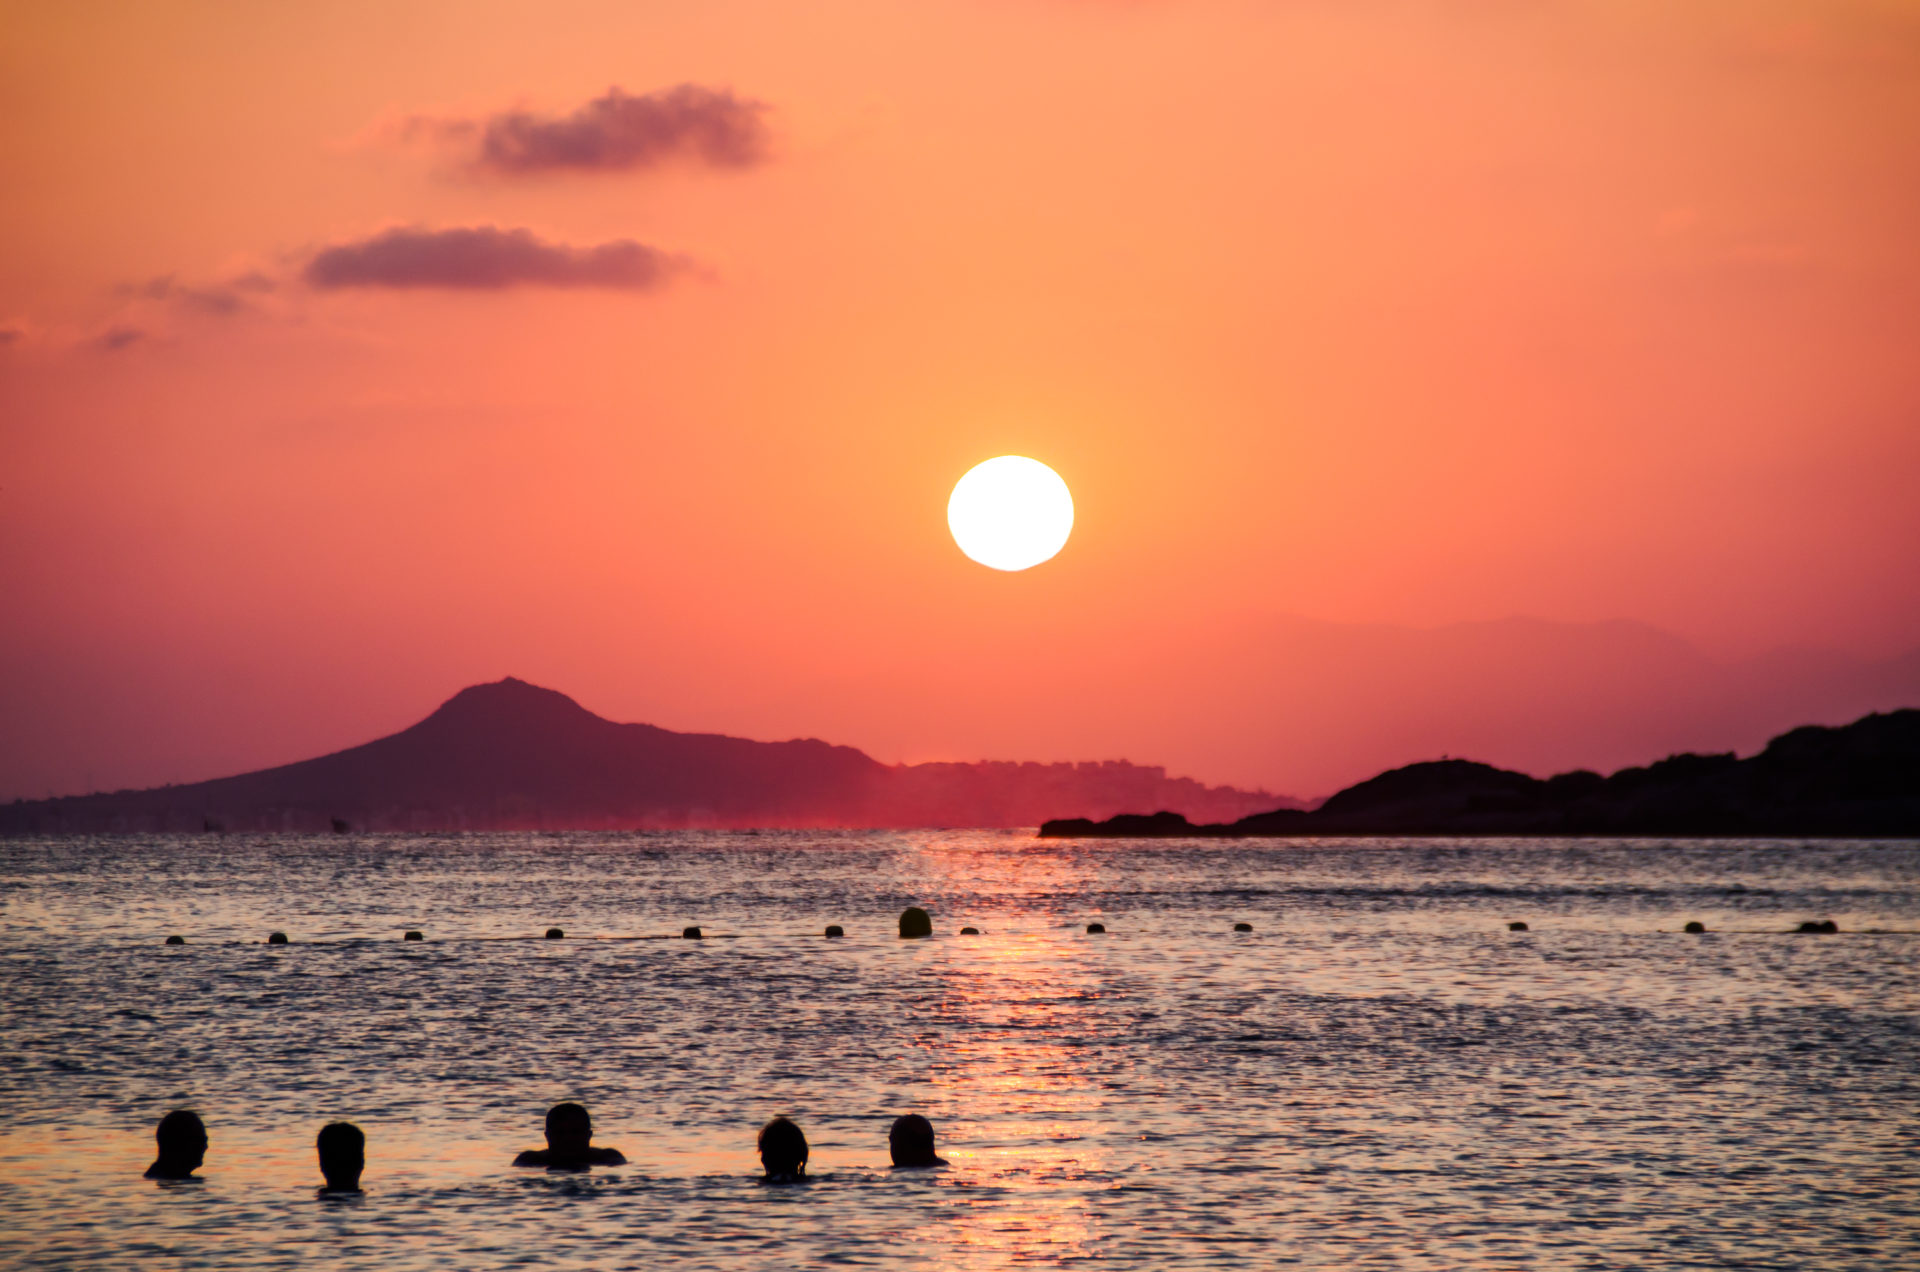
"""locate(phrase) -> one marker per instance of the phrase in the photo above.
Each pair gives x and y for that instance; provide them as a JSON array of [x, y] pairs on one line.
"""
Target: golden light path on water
[[1379, 1073], [1015, 1077]]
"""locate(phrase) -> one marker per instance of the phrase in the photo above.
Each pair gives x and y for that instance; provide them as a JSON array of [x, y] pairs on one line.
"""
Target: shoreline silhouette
[[1856, 780]]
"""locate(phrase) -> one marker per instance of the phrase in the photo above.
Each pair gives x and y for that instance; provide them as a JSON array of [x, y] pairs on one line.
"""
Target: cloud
[[485, 258], [115, 339], [10, 335], [621, 132], [218, 300]]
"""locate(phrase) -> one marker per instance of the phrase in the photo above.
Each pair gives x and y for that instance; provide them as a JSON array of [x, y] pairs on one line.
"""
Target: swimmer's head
[[911, 1141], [783, 1150], [343, 1154], [182, 1138], [569, 1130]]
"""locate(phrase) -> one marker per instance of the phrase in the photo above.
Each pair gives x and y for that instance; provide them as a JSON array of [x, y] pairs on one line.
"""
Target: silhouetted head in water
[[570, 1142], [343, 1154], [911, 1142], [183, 1145], [783, 1151], [569, 1130]]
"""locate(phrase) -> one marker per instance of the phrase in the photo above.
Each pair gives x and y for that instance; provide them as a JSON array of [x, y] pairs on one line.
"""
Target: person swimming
[[911, 1142], [343, 1154], [783, 1151], [570, 1143], [182, 1137]]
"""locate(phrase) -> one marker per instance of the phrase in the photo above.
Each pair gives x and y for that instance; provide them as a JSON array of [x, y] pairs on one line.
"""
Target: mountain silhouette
[[510, 755], [1279, 702], [1857, 779]]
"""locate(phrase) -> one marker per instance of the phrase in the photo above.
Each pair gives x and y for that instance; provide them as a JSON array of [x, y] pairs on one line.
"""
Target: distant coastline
[[1861, 779], [514, 756]]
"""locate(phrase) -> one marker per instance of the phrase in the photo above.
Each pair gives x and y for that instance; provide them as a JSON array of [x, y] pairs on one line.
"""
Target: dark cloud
[[621, 132], [10, 334], [487, 258], [114, 339]]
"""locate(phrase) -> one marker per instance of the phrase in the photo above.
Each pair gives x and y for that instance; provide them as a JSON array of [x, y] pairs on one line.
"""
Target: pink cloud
[[623, 132], [486, 258]]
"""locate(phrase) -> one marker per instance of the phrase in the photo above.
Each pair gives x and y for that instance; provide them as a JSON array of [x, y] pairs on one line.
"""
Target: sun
[[1010, 513]]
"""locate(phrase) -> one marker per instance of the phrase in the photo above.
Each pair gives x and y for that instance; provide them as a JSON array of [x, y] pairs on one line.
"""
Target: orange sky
[[1369, 313]]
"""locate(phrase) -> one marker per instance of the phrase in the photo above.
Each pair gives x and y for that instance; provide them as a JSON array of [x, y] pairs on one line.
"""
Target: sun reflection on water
[[1018, 1095]]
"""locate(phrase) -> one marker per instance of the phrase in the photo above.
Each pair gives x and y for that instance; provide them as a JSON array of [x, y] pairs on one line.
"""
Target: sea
[[1379, 1074]]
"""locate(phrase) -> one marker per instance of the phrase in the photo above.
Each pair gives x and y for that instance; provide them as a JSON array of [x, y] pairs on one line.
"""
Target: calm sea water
[[1380, 1074]]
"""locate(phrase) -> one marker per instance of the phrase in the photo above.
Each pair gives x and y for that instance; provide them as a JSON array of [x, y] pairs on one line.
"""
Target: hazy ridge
[[511, 755]]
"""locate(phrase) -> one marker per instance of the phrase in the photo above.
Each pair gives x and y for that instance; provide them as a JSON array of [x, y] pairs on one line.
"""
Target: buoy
[[555, 934], [1243, 927], [915, 922], [277, 938], [1096, 927], [969, 931], [176, 940], [413, 936], [1516, 926], [690, 934], [834, 929], [1695, 925]]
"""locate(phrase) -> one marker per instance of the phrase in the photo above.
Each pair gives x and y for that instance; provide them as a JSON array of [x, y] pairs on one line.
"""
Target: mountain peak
[[509, 701]]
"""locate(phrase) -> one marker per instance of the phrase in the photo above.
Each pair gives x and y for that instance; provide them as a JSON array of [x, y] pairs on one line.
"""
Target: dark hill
[[1859, 779], [511, 755]]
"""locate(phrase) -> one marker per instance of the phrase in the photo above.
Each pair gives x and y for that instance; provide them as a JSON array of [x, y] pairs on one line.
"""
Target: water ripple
[[1380, 1074]]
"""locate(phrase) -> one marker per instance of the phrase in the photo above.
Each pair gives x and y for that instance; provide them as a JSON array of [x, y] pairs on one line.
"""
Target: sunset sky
[[350, 354]]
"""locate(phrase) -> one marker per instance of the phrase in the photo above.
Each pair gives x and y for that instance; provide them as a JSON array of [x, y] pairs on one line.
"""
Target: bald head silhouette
[[570, 1142]]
